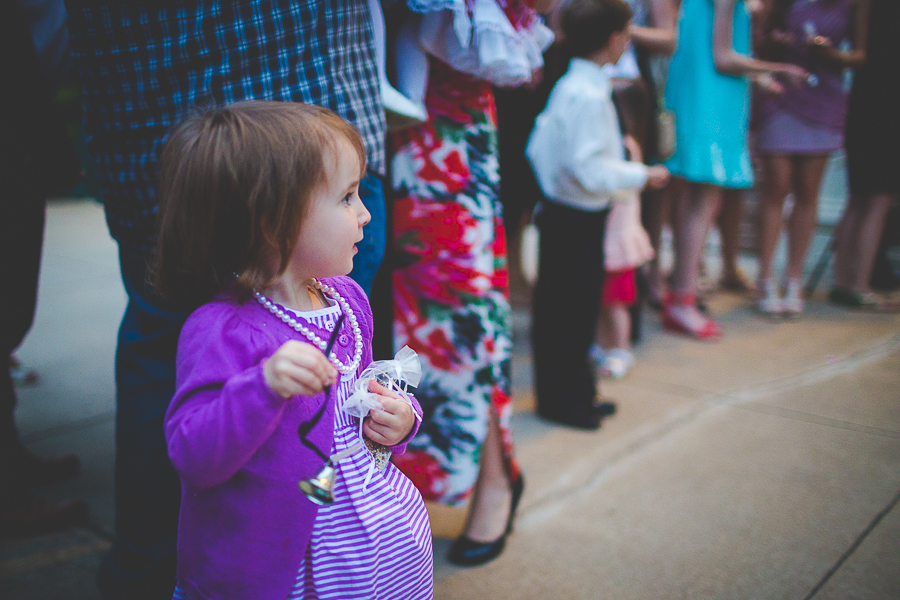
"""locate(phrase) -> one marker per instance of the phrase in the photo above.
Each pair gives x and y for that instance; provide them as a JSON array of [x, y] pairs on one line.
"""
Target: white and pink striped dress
[[372, 543]]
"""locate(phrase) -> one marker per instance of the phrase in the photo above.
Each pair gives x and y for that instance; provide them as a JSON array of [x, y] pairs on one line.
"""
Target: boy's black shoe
[[590, 418]]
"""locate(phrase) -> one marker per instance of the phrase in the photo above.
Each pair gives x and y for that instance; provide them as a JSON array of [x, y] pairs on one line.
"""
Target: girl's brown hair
[[235, 182]]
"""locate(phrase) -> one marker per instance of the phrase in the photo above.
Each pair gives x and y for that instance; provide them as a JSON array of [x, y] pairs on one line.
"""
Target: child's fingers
[[393, 406], [382, 434], [391, 425], [377, 388], [305, 381], [298, 368], [307, 356]]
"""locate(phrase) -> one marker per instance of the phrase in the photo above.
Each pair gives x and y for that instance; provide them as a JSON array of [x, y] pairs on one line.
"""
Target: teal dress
[[712, 110]]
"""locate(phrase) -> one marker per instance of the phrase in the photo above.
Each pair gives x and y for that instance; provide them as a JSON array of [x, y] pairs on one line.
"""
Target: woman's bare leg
[[870, 230], [731, 211], [490, 505], [691, 225], [654, 211], [845, 242]]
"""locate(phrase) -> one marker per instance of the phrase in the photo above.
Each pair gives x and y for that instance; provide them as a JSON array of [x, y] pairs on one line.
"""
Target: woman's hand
[[782, 38], [795, 75], [824, 51], [298, 368], [768, 85], [391, 425]]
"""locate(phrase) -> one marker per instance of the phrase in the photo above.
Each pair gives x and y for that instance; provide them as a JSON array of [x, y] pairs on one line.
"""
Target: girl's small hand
[[391, 425], [657, 177], [633, 148], [298, 369]]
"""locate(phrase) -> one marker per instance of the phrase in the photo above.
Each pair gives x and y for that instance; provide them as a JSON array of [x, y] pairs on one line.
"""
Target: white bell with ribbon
[[396, 375]]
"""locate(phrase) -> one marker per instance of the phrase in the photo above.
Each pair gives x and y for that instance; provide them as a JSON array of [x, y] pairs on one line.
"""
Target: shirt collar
[[591, 70]]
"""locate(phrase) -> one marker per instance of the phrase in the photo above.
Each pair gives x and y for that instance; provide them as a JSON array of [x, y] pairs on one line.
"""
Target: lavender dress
[[808, 119]]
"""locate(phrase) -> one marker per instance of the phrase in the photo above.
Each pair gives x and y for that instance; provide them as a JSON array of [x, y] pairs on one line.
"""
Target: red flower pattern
[[424, 471]]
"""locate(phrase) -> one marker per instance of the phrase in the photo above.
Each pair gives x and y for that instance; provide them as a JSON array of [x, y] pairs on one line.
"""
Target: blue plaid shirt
[[144, 64]]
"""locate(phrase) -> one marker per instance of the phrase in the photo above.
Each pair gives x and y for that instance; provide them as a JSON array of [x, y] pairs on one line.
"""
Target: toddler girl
[[626, 246], [259, 217]]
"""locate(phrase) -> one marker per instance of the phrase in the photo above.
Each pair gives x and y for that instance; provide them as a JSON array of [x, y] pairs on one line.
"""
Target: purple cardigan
[[244, 525]]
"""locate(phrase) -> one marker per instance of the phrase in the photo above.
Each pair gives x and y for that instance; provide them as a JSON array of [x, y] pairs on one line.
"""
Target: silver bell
[[320, 488]]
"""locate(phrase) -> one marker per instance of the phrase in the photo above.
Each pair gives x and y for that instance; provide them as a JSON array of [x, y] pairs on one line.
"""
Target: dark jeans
[[566, 307], [141, 562], [371, 248]]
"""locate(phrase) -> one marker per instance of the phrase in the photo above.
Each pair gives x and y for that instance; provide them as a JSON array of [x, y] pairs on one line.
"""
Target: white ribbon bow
[[396, 374]]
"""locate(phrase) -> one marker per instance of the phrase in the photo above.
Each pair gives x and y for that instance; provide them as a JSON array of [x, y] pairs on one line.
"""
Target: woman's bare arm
[[730, 62], [856, 55], [661, 38]]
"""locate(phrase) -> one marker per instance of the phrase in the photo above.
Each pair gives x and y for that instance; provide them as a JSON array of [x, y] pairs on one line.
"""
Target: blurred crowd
[[593, 126]]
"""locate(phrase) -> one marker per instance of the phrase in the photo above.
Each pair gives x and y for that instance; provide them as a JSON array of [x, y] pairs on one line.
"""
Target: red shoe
[[708, 332]]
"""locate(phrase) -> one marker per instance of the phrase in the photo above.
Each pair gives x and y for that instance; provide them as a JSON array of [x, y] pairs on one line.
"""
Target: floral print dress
[[451, 293]]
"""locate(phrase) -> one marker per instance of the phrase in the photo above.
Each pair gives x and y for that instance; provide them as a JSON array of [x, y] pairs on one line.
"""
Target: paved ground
[[765, 466]]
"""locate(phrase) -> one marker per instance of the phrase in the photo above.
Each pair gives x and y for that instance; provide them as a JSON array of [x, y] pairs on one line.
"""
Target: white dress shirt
[[576, 148]]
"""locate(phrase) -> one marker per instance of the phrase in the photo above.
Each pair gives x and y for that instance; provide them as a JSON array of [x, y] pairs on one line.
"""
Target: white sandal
[[769, 302], [793, 298], [617, 363]]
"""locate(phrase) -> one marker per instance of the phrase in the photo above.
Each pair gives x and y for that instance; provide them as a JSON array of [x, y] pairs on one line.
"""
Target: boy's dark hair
[[588, 24], [235, 183]]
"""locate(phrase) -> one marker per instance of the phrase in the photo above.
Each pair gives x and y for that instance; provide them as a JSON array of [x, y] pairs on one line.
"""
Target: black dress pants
[[566, 308]]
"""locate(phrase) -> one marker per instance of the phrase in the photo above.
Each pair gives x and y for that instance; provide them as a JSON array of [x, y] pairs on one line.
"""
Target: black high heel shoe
[[466, 552]]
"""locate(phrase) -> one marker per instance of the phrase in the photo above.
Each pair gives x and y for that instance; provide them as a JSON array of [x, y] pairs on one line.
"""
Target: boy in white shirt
[[578, 157]]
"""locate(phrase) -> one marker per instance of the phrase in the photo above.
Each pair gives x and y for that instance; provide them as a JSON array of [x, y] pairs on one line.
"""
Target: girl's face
[[334, 220]]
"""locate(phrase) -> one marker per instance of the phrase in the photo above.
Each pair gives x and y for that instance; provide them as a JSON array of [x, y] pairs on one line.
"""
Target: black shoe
[[589, 419], [603, 407], [466, 552]]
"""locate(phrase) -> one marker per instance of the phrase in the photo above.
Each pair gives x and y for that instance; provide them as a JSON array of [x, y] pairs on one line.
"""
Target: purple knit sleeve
[[223, 409]]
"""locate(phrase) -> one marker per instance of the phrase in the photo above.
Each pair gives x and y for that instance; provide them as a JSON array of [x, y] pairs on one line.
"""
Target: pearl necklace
[[321, 344]]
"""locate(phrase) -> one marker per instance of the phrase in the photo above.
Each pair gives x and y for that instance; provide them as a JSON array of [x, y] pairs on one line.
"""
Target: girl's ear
[[272, 252], [268, 236]]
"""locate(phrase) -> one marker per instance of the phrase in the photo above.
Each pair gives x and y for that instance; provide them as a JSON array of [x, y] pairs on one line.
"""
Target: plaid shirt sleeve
[[143, 65]]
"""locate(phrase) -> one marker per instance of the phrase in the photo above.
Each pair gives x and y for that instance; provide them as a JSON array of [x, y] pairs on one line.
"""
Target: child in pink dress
[[626, 247]]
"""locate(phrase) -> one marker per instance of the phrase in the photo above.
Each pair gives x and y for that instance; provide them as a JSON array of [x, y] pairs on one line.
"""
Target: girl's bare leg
[[807, 174], [490, 505], [620, 326], [776, 185], [606, 335]]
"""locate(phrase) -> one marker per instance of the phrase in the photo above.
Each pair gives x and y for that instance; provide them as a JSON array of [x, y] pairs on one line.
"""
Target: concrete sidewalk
[[764, 466]]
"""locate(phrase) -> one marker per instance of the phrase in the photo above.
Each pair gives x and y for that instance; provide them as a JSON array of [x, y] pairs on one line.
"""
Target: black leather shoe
[[466, 552], [580, 420], [588, 418]]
